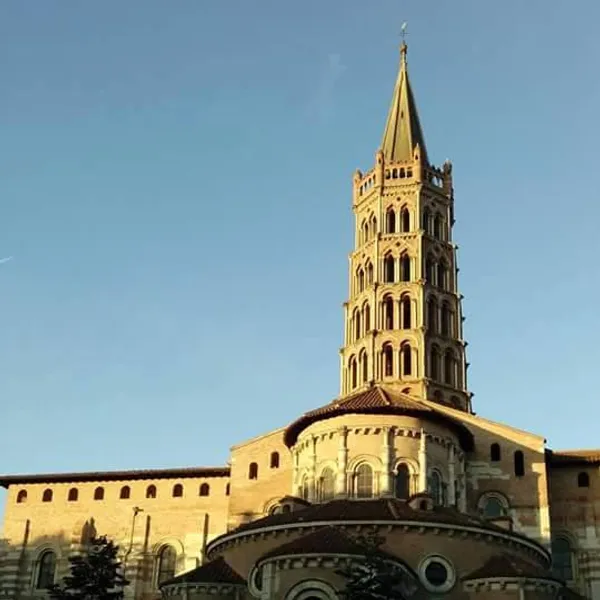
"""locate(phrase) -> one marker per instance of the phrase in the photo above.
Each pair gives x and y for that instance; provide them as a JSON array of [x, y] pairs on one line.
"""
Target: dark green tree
[[96, 574], [375, 576]]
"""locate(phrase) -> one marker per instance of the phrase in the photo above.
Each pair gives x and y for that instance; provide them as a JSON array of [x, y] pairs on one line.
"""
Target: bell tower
[[403, 320]]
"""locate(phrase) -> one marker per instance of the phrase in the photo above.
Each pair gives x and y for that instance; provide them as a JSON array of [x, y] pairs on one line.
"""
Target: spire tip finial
[[403, 46]]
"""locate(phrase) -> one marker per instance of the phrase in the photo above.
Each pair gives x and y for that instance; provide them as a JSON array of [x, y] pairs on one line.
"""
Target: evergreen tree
[[95, 575], [373, 576]]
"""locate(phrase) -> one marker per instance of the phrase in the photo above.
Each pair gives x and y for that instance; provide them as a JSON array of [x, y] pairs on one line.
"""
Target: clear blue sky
[[175, 189]]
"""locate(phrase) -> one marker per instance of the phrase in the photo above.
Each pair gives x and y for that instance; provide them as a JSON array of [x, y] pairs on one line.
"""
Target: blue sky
[[175, 182]]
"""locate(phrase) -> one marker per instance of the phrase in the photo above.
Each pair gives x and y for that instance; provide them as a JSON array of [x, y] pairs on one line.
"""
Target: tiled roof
[[378, 509], [504, 565], [215, 571], [327, 540], [181, 473], [573, 458], [376, 400]]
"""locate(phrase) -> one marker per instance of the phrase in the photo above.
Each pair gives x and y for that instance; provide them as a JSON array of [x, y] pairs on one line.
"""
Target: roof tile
[[215, 571]]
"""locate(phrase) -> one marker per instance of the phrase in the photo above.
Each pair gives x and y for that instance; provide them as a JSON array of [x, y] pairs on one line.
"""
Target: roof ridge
[[384, 396]]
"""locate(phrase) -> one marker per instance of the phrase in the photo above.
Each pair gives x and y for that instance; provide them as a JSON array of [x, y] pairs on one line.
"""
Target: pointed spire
[[403, 130]]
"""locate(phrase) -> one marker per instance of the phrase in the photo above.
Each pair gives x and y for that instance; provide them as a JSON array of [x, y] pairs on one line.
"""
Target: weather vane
[[403, 31]]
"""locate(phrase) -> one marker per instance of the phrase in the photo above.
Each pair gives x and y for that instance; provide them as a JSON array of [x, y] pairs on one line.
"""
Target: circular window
[[437, 574]]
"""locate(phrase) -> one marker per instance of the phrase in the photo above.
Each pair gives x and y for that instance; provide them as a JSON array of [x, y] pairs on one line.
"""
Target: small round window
[[437, 574]]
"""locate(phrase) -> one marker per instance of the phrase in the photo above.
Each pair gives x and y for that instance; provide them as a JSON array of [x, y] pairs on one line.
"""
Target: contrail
[[5, 260]]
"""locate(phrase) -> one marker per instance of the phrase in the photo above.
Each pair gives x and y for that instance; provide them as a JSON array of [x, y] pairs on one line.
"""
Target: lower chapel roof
[[508, 566], [361, 511], [376, 400], [215, 571]]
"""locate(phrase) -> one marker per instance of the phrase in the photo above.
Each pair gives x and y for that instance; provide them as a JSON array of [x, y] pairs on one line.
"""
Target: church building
[[464, 506]]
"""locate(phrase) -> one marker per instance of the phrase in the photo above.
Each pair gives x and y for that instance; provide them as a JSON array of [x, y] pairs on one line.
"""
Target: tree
[[375, 576], [95, 575]]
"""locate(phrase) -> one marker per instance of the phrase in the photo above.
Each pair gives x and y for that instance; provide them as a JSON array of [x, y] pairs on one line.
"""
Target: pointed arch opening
[[253, 471], [73, 495], [405, 270], [388, 360], [151, 492], [434, 363], [353, 372], [360, 278], [442, 275], [274, 462], [364, 231], [357, 324], [47, 495], [406, 312], [405, 220], [204, 490], [125, 493], [436, 487], [369, 270], [449, 368], [22, 497], [389, 269], [177, 490], [432, 314], [364, 366], [366, 314], [446, 327], [430, 270], [437, 227], [425, 220], [390, 220]]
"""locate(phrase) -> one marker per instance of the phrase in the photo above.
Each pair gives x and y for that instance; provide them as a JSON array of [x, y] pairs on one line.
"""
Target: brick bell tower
[[403, 319]]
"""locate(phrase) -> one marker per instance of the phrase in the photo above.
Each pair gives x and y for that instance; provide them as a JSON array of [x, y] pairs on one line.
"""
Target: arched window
[[363, 481], [357, 327], [435, 487], [353, 372], [402, 484], [519, 463], [562, 558], [177, 490], [405, 308], [364, 367], [389, 270], [495, 454], [72, 495], [442, 275], [432, 313], [369, 272], [405, 268], [253, 470], [390, 221], [373, 225], [305, 488], [388, 312], [405, 220], [361, 280], [583, 480], [326, 485], [46, 570], [167, 560], [286, 508], [446, 320], [274, 460], [449, 368], [125, 492], [434, 363], [430, 270], [22, 496], [204, 490], [388, 360], [492, 507], [437, 227], [151, 491], [364, 231], [426, 219], [406, 354], [366, 316], [47, 495]]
